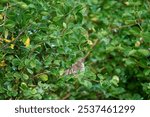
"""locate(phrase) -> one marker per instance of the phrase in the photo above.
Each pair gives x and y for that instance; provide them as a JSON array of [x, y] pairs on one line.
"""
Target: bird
[[79, 66]]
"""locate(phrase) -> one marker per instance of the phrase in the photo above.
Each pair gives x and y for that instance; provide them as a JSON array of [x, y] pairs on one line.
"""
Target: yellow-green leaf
[[12, 46], [2, 64], [43, 77], [27, 42]]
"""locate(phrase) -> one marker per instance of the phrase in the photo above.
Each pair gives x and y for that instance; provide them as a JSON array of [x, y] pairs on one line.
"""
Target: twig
[[129, 25], [14, 40], [17, 38], [66, 96], [41, 74], [95, 43]]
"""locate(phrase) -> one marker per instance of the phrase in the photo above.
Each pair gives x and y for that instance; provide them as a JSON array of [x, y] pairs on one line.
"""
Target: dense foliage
[[40, 39]]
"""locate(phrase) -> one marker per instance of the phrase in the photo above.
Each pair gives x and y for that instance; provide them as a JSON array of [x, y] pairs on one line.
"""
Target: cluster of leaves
[[40, 39]]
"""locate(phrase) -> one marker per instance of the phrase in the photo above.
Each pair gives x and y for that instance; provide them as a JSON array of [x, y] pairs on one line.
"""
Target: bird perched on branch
[[79, 66]]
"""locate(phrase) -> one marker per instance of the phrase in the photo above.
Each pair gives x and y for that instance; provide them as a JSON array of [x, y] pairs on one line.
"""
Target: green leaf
[[15, 62], [24, 86], [129, 62], [87, 84], [144, 52], [57, 62], [64, 25], [43, 77], [22, 5], [115, 80], [17, 75], [25, 76], [132, 52], [34, 91], [10, 24], [146, 37], [29, 71], [147, 72], [33, 64]]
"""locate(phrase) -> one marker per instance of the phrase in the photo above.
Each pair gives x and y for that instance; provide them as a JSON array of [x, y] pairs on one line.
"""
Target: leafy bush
[[40, 39]]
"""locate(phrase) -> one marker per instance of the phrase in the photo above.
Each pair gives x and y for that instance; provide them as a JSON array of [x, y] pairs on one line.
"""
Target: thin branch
[[128, 25], [95, 43], [16, 39], [66, 96], [41, 74]]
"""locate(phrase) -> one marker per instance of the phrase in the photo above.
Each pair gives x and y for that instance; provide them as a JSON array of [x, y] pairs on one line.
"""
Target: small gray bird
[[79, 65], [76, 67]]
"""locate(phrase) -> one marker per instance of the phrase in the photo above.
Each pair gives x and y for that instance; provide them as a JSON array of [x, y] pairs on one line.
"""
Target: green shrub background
[[40, 39]]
